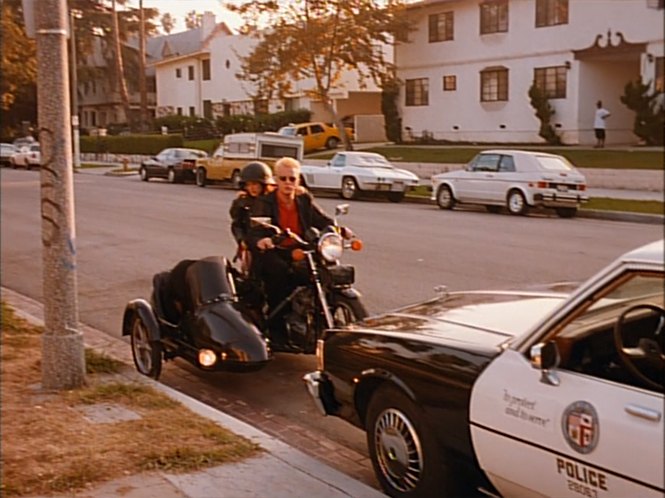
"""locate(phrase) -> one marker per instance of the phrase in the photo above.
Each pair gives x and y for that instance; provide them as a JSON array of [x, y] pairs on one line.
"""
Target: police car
[[511, 393]]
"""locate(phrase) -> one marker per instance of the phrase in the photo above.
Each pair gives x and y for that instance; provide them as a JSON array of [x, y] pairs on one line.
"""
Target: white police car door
[[585, 437], [597, 433]]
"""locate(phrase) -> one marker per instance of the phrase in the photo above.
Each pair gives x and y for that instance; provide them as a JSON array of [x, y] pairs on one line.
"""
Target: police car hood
[[484, 319]]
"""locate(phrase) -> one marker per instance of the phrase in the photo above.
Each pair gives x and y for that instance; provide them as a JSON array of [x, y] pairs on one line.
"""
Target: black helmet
[[256, 171]]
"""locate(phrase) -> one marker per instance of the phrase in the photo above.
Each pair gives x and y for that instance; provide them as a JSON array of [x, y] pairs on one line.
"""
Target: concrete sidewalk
[[281, 471]]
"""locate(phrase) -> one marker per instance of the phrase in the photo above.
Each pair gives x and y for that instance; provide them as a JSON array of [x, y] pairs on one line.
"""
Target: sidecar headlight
[[331, 247]]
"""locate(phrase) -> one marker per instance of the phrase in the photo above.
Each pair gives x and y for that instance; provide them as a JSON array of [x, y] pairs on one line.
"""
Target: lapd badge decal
[[580, 426]]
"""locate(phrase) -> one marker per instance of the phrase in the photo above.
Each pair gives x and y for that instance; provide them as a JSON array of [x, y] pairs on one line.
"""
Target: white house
[[202, 81], [468, 67]]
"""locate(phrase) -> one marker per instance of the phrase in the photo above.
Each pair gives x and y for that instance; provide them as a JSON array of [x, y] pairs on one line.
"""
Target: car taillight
[[581, 187], [539, 184]]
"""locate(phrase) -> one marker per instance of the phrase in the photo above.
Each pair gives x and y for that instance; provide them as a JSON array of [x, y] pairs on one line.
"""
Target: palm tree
[[122, 84], [142, 82]]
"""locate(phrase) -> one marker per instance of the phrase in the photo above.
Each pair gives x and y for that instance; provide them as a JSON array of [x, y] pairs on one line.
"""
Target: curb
[[654, 219], [31, 310]]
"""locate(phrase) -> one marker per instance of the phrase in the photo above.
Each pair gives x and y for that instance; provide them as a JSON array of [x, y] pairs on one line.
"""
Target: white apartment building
[[468, 66], [203, 82]]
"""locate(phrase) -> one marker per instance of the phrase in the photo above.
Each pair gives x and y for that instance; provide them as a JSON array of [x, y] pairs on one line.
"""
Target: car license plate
[[562, 188], [399, 186]]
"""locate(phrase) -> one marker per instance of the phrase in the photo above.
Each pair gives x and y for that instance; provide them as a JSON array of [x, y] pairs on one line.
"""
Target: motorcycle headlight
[[331, 247]]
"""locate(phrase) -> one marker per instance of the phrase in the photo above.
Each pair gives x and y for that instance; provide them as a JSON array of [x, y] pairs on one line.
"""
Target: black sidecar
[[191, 315]]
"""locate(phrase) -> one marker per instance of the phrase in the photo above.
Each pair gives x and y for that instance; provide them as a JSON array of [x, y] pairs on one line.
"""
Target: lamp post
[[74, 14]]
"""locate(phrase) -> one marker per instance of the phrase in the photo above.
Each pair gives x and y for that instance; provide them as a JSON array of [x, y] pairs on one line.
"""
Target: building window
[[494, 84], [551, 80], [449, 83], [179, 111], [417, 92], [494, 17], [656, 4], [659, 84], [151, 84], [205, 69], [178, 72], [191, 111], [190, 72], [441, 27], [261, 106], [551, 12]]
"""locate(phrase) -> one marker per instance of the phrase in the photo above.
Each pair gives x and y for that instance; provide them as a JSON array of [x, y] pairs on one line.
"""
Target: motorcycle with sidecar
[[213, 315]]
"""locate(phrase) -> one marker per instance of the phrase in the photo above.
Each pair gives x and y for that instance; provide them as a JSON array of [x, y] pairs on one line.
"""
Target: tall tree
[[319, 40], [193, 20], [142, 82], [168, 22], [119, 63]]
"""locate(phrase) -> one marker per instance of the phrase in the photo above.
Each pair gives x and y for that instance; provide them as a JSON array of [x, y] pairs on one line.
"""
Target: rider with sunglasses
[[288, 207]]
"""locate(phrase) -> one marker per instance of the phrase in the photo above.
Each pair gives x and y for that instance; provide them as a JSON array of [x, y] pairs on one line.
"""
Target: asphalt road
[[128, 230]]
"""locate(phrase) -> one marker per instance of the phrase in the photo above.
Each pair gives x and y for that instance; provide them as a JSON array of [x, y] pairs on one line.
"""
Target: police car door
[[583, 429]]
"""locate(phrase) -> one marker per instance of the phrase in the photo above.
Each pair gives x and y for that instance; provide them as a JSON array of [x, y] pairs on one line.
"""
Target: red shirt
[[288, 218]]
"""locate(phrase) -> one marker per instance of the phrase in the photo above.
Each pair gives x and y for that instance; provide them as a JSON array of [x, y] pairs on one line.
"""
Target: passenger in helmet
[[255, 180]]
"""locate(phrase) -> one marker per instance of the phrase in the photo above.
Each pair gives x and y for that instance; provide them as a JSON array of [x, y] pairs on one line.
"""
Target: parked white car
[[516, 179], [352, 174], [27, 157], [6, 153]]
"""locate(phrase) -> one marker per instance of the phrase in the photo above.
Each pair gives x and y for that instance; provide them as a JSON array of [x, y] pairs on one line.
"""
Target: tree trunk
[[122, 84], [142, 82], [338, 122]]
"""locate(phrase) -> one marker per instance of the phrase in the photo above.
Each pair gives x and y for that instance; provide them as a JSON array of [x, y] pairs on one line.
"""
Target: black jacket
[[309, 215], [241, 210]]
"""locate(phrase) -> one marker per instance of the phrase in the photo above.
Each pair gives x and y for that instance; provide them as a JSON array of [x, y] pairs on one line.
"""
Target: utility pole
[[63, 359], [142, 82], [73, 15]]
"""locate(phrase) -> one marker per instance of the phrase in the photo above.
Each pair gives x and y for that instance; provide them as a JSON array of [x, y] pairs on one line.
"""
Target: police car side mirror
[[544, 357]]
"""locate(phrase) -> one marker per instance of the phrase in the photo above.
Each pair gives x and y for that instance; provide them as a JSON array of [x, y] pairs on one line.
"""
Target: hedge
[[130, 144]]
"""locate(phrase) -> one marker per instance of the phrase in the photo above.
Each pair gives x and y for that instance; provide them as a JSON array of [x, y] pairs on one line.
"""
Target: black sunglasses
[[292, 179]]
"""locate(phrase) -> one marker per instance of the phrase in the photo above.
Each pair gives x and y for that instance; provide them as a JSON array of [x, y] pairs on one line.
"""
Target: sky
[[179, 9]]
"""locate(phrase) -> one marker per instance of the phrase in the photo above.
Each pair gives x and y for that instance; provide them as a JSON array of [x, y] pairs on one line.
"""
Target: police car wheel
[[404, 455]]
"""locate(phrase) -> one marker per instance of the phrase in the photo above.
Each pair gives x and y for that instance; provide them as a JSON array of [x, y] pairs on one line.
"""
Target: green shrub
[[649, 110], [393, 122], [130, 144], [544, 112]]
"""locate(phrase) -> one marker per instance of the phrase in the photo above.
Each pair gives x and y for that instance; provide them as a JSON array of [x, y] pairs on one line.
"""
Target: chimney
[[207, 24]]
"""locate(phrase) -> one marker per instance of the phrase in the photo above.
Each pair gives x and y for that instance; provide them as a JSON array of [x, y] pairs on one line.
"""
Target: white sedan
[[515, 179], [27, 157], [353, 173]]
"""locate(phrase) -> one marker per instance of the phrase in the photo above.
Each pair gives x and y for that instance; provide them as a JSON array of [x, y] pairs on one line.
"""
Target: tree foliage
[[649, 110], [168, 22], [318, 41], [193, 20], [544, 112], [18, 66]]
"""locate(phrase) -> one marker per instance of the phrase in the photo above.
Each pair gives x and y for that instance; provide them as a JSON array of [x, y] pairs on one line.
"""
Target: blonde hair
[[288, 162]]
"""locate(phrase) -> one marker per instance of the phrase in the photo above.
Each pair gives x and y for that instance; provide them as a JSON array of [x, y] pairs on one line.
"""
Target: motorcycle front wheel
[[346, 311]]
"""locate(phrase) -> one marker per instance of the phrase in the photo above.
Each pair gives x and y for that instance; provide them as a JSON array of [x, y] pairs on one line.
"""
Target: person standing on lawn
[[599, 125]]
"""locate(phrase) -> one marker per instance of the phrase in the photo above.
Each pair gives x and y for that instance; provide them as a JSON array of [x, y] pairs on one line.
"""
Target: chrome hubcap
[[516, 203], [444, 197], [349, 188], [398, 450]]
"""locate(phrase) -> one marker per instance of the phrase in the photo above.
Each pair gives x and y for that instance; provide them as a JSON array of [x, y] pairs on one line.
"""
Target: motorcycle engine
[[298, 321]]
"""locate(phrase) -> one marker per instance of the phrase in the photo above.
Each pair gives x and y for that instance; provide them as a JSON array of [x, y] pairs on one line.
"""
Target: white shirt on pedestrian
[[599, 120]]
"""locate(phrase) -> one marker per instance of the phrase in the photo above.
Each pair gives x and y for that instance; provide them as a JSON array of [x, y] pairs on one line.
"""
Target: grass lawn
[[582, 158]]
